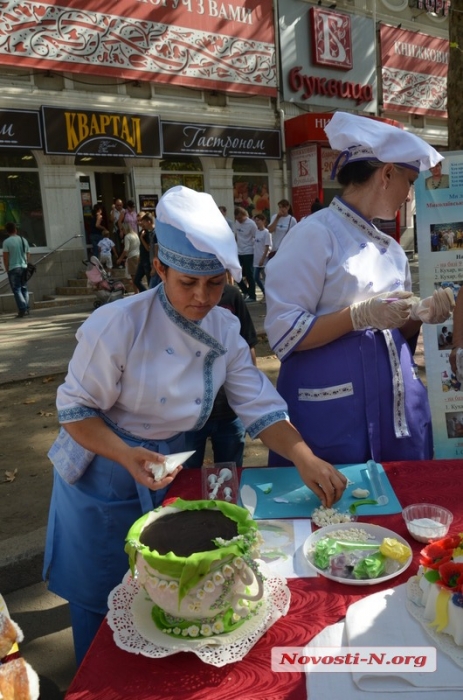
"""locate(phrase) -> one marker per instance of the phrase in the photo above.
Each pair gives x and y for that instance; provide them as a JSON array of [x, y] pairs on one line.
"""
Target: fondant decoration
[[440, 581], [170, 464], [360, 493]]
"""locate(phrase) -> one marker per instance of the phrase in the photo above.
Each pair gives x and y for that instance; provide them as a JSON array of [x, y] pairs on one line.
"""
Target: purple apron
[[354, 399]]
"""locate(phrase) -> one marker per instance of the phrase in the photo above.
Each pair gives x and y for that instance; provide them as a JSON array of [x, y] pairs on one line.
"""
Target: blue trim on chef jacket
[[217, 349]]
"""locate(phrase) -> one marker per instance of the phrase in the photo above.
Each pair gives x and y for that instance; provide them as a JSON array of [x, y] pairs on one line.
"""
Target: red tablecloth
[[108, 673]]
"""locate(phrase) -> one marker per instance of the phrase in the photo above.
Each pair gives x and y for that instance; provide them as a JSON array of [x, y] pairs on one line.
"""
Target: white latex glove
[[434, 309], [387, 310]]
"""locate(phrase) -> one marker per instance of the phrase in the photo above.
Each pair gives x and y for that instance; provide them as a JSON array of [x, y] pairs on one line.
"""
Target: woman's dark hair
[[358, 172], [130, 203]]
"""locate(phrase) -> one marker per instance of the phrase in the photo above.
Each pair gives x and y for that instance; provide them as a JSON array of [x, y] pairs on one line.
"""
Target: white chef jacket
[[331, 259], [155, 374]]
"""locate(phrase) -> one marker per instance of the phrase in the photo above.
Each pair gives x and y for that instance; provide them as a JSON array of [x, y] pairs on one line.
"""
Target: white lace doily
[[445, 642], [134, 631]]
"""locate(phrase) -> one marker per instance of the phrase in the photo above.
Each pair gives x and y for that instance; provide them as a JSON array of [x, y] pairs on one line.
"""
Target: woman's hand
[[136, 462], [387, 310], [325, 481]]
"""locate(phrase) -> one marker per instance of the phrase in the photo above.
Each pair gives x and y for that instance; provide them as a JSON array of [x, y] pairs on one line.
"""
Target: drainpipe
[[280, 111]]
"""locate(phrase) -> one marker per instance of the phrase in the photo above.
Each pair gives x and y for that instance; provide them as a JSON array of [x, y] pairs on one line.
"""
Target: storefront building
[[365, 57], [123, 100], [127, 100]]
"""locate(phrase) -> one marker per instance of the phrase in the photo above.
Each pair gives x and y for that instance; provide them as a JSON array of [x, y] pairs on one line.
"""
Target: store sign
[[414, 72], [195, 43], [207, 139], [331, 38], [305, 176], [323, 57], [20, 129], [87, 133]]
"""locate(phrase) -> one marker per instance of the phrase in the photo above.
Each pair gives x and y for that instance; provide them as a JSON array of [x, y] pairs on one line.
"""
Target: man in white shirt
[[245, 231]]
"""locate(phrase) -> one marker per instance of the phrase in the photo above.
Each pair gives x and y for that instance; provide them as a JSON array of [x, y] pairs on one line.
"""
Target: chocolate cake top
[[188, 532]]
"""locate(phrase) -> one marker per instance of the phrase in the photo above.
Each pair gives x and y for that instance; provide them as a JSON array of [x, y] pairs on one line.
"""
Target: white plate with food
[[348, 555]]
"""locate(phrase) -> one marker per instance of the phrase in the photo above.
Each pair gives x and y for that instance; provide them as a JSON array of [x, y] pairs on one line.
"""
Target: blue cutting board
[[287, 479]]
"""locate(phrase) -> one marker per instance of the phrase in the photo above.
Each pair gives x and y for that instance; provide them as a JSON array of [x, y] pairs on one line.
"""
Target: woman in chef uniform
[[145, 370], [342, 320]]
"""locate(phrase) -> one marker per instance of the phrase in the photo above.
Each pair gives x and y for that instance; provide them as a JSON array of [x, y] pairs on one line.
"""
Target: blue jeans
[[258, 278], [143, 270], [227, 437], [19, 288], [247, 268]]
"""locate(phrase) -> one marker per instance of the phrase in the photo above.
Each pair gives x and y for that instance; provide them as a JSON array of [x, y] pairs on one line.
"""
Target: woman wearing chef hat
[[342, 319], [145, 370]]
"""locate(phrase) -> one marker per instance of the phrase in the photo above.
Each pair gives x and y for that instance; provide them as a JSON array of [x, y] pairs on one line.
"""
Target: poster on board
[[439, 221]]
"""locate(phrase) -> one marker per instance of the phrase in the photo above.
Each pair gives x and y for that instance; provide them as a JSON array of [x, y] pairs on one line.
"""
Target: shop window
[[187, 172], [250, 186], [20, 196]]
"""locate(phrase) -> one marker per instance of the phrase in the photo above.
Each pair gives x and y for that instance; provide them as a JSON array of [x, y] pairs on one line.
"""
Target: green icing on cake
[[208, 627], [189, 571]]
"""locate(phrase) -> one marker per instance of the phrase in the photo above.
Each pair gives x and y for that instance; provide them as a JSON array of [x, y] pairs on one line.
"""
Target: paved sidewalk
[[43, 343]]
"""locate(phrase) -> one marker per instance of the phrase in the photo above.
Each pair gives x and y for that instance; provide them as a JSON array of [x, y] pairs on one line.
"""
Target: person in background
[[316, 206], [280, 224], [116, 211], [155, 279], [144, 263], [245, 230], [342, 319], [129, 217], [223, 210], [146, 370], [105, 247], [15, 258], [97, 228], [131, 253], [223, 427], [262, 248]]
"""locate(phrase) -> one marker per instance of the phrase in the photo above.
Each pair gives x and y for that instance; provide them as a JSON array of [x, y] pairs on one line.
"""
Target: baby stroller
[[106, 289]]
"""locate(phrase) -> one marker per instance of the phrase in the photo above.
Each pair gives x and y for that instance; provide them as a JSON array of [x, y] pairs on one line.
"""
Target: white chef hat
[[193, 235], [364, 138]]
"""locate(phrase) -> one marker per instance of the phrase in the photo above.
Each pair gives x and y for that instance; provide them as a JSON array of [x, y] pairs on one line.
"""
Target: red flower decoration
[[436, 554], [451, 575], [450, 542]]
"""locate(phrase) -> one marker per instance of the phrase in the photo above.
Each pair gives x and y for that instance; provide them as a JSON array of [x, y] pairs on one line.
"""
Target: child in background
[[105, 246], [262, 248]]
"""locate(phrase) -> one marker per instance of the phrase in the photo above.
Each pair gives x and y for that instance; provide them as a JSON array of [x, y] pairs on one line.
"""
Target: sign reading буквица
[[97, 133], [180, 138], [195, 43], [323, 57]]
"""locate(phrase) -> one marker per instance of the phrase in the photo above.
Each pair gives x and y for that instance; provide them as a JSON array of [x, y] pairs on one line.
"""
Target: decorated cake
[[438, 586], [196, 561], [18, 680]]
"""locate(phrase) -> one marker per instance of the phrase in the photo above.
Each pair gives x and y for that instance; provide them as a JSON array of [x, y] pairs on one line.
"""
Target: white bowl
[[426, 522]]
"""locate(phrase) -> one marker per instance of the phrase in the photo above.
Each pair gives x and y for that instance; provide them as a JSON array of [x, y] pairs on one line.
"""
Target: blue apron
[[88, 523]]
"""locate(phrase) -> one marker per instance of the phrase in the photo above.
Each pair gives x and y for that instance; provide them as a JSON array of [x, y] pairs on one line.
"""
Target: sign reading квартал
[[95, 133]]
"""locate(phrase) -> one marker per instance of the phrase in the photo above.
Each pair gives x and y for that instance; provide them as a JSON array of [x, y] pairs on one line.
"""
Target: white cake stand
[[134, 630]]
